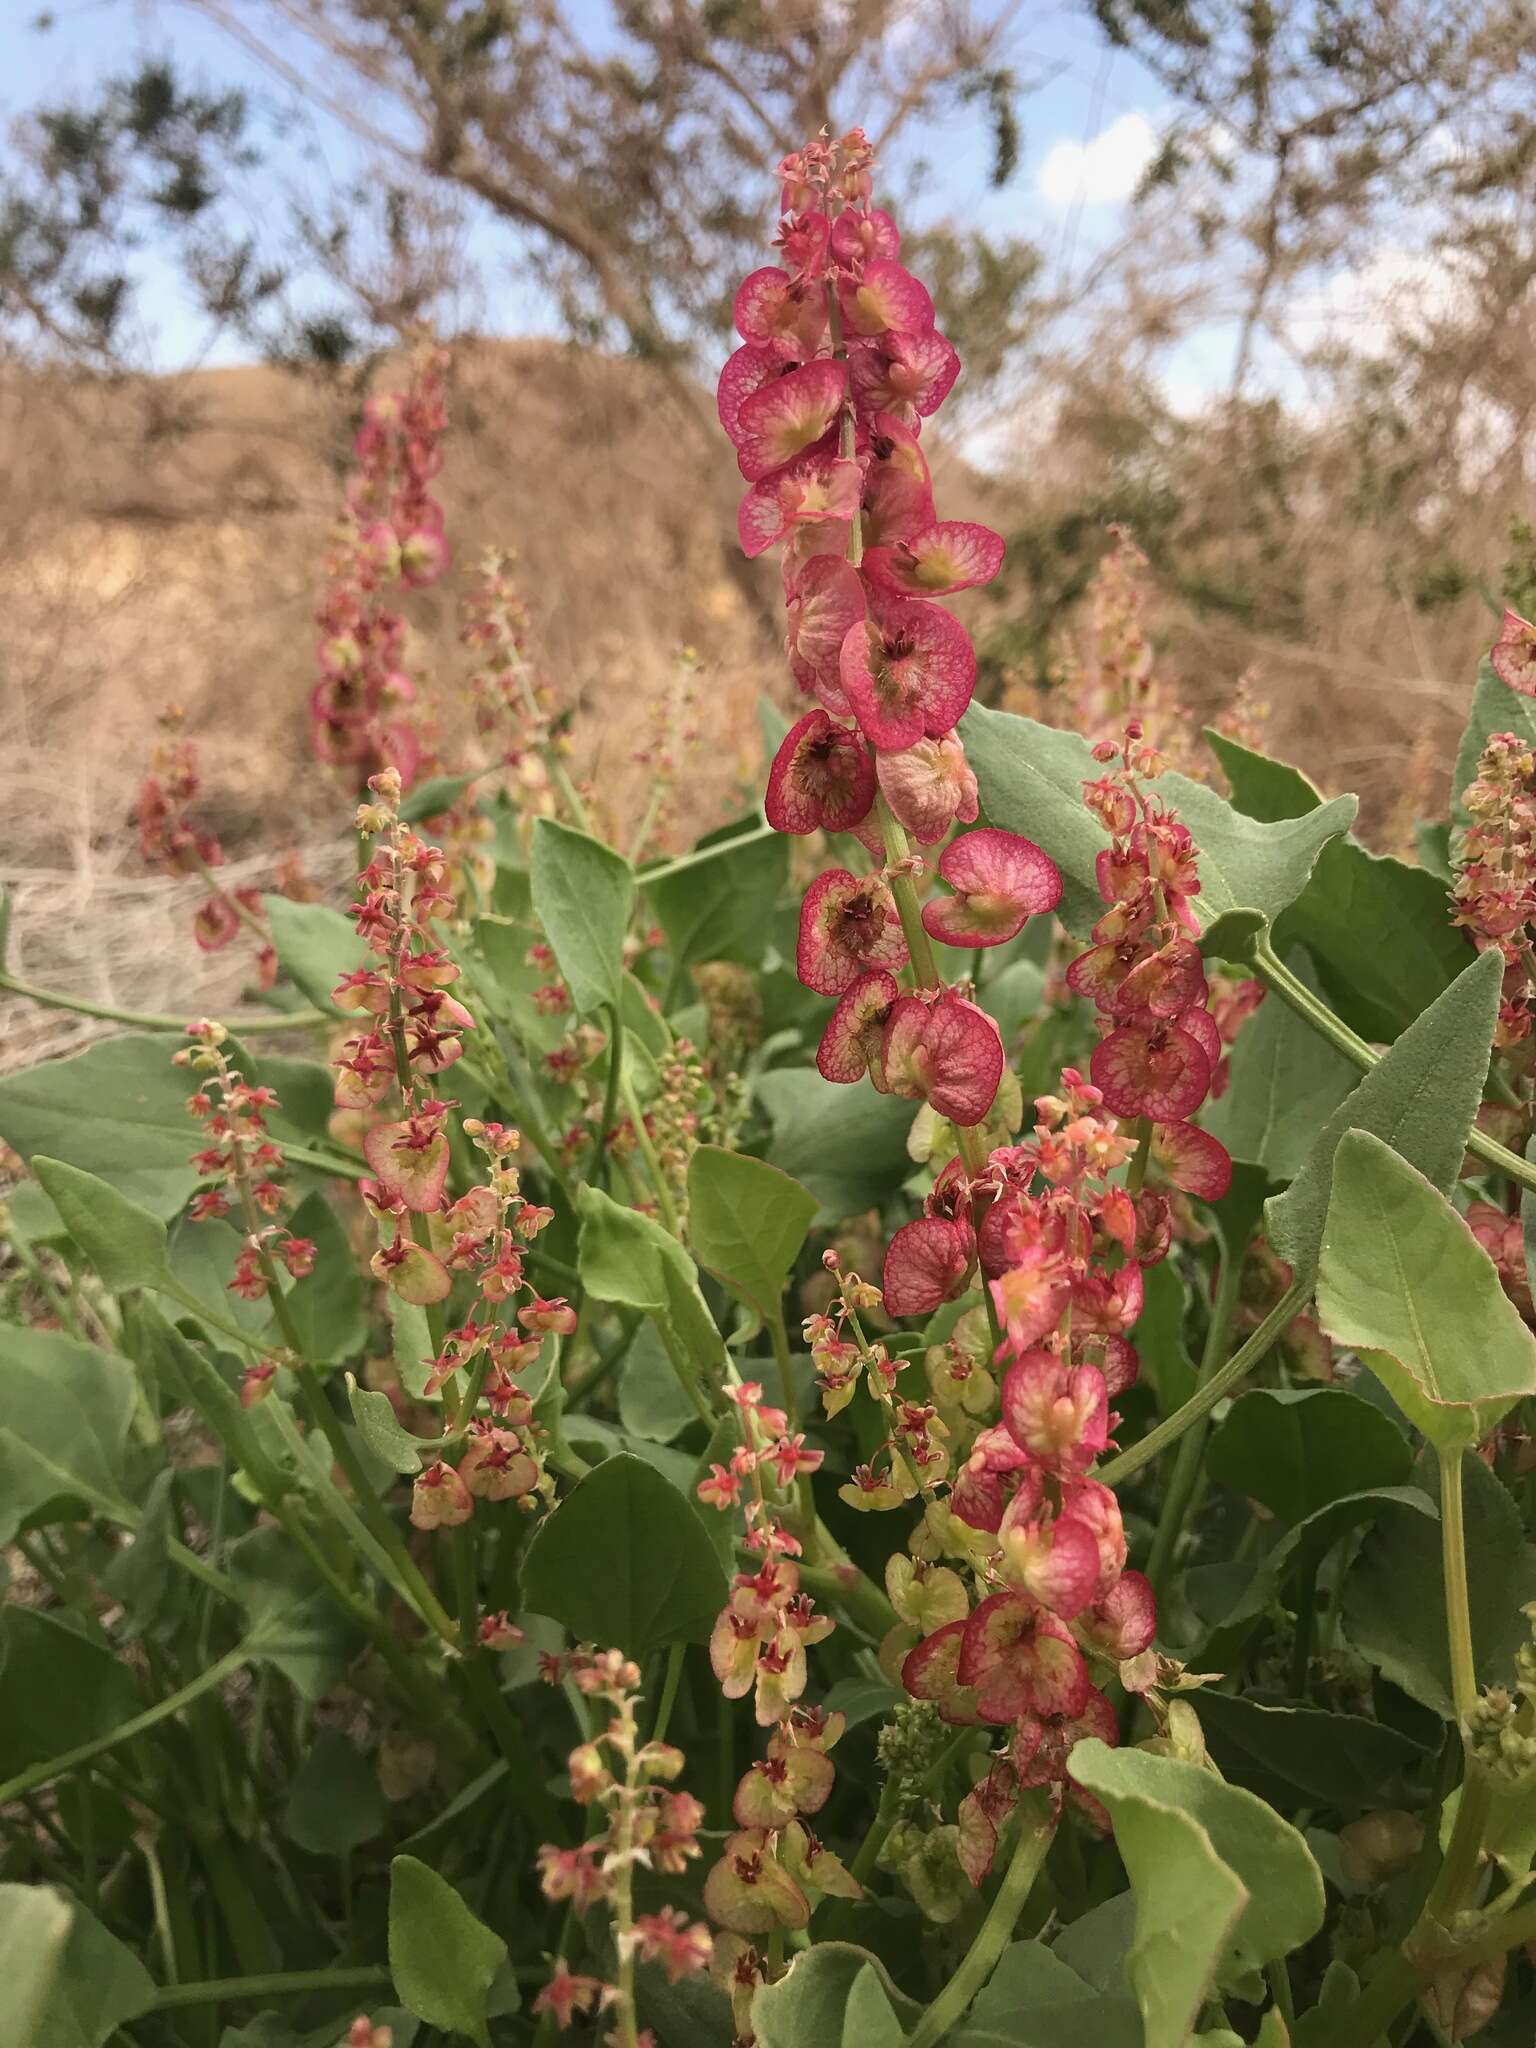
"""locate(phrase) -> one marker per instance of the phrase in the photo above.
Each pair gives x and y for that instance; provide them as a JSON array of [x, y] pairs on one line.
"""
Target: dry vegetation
[[164, 540]]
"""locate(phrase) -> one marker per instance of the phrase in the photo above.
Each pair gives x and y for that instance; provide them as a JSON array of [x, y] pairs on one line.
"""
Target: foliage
[[592, 1496]]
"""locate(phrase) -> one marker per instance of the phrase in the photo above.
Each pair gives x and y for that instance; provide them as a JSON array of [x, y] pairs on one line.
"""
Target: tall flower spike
[[1513, 654], [1000, 879]]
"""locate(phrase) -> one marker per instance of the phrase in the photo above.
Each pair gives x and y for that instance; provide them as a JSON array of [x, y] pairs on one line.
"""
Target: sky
[[1089, 130]]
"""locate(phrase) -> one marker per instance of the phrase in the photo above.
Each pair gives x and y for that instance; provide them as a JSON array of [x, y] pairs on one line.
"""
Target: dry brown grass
[[161, 542]]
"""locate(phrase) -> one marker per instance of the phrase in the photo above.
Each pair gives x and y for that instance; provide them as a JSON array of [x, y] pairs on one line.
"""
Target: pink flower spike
[[909, 375], [753, 365], [860, 234], [898, 489], [1124, 1622], [822, 778], [929, 786], [947, 1053], [850, 1045], [1000, 880], [1055, 1561], [1031, 1297], [1057, 1413], [886, 297], [818, 490], [926, 1263], [951, 555], [1021, 1660], [773, 307], [1158, 1071], [909, 673], [1513, 654], [930, 1673], [824, 604], [1193, 1160], [413, 1172], [785, 418], [848, 925]]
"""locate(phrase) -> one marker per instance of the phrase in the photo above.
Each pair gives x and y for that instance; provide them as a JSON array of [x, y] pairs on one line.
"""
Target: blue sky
[[1088, 132]]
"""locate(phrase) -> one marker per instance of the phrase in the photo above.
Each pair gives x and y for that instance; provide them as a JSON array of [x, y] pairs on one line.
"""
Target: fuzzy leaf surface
[[584, 896], [1420, 1098], [624, 1560], [1402, 1280]]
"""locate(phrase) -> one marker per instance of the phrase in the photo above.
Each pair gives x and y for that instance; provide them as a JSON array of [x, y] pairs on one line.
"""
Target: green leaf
[[584, 896], [1250, 872], [187, 1371], [1380, 933], [1035, 2000], [203, 1259], [118, 1109], [292, 1623], [625, 1561], [35, 1926], [1340, 1761], [1285, 1083], [126, 1244], [1420, 1097], [1394, 1594], [334, 1802], [652, 1404], [59, 1689], [1379, 929], [719, 905], [65, 1413], [1261, 788], [1223, 1885], [315, 946], [431, 798], [1403, 1281], [631, 1259], [442, 1958], [747, 1221], [827, 1993], [382, 1430], [1495, 708], [68, 1982], [1031, 780], [328, 1308], [1296, 1449], [1189, 1903], [848, 1146], [1160, 1342]]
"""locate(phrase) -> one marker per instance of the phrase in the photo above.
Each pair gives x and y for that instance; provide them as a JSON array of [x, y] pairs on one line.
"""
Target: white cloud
[[1102, 171], [1393, 288]]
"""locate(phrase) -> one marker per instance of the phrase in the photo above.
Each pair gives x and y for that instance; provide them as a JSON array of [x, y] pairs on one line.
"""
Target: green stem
[[1277, 1975], [676, 1657], [648, 1153], [1204, 1399], [845, 1586], [1186, 1469], [780, 1338], [163, 1710], [1037, 1824], [665, 870], [1276, 975], [277, 1984], [1135, 1179], [1458, 1611], [156, 1020], [863, 1864], [1306, 1621], [600, 1159]]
